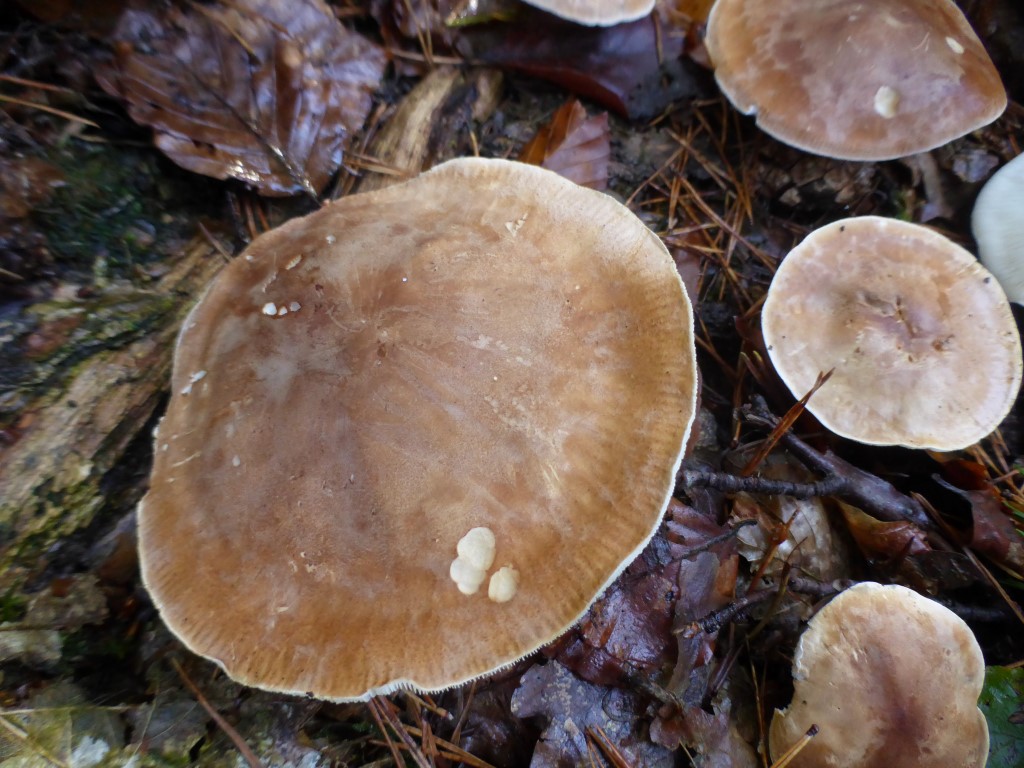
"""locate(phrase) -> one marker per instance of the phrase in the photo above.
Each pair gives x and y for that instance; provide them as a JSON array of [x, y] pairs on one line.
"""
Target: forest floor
[[106, 242]]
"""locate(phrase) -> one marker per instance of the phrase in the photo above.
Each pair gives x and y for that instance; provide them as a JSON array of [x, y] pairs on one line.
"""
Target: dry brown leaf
[[574, 146], [264, 91], [792, 531], [888, 540]]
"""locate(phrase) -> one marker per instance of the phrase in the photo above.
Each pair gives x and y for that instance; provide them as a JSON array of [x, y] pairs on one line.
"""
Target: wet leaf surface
[[634, 629], [634, 69], [255, 90], [570, 706], [264, 91], [573, 145]]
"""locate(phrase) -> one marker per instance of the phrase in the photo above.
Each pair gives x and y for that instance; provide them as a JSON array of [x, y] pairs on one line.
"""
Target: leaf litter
[[263, 91], [653, 666]]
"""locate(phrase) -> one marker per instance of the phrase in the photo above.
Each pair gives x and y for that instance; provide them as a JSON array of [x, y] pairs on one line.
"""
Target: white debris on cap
[[887, 101], [475, 555], [503, 585]]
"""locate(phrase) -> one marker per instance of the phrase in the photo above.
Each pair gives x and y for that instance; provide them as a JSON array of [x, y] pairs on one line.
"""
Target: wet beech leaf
[[634, 69], [633, 629], [264, 91], [992, 532], [573, 145]]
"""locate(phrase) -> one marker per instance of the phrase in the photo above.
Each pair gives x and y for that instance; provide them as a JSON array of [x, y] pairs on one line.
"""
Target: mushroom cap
[[485, 346], [596, 13], [866, 80], [998, 225], [891, 679], [924, 346]]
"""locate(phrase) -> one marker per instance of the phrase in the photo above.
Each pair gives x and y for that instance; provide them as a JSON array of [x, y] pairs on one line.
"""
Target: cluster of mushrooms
[[406, 451]]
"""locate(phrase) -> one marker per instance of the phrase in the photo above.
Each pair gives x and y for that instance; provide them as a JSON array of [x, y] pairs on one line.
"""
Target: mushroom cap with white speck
[[925, 348], [891, 679], [866, 80], [485, 346], [998, 226]]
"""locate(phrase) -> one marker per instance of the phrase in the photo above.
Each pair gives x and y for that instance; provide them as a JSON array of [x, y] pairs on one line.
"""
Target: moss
[[116, 204]]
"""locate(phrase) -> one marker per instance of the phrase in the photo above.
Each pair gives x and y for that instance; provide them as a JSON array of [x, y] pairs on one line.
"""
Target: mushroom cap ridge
[[487, 345]]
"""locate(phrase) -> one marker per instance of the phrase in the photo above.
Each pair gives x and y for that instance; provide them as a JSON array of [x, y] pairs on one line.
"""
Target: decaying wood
[[431, 123], [81, 377]]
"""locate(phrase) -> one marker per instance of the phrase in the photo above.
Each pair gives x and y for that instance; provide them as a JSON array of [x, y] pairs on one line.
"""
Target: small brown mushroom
[[871, 80], [890, 678], [414, 434], [924, 346]]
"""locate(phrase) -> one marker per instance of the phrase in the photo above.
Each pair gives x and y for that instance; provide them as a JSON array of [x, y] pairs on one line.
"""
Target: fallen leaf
[[569, 706], [573, 145], [797, 532], [264, 91], [1002, 701], [635, 69], [714, 735], [993, 532], [888, 540], [632, 629]]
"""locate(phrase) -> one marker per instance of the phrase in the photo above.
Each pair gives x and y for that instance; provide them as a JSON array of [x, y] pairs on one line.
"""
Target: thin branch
[[224, 725]]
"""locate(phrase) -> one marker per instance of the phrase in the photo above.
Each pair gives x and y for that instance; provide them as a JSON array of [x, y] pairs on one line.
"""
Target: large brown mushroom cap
[[866, 80], [891, 679], [485, 346], [924, 346], [596, 13]]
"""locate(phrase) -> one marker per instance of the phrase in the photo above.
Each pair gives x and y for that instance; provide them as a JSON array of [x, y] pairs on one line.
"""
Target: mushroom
[[923, 344], [890, 678], [871, 80], [596, 13], [998, 224], [414, 434]]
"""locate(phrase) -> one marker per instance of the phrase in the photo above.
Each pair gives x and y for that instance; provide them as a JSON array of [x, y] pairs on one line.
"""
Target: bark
[[79, 379]]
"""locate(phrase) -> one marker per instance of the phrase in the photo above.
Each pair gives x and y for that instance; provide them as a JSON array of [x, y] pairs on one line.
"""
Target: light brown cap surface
[[998, 226], [485, 346], [865, 80], [596, 13], [891, 679], [924, 346]]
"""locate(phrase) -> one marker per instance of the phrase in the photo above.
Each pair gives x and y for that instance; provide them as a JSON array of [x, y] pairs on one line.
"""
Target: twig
[[379, 720], [51, 110], [789, 754], [22, 735], [706, 545], [857, 487], [784, 424], [383, 712], [728, 483], [611, 753], [224, 725]]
